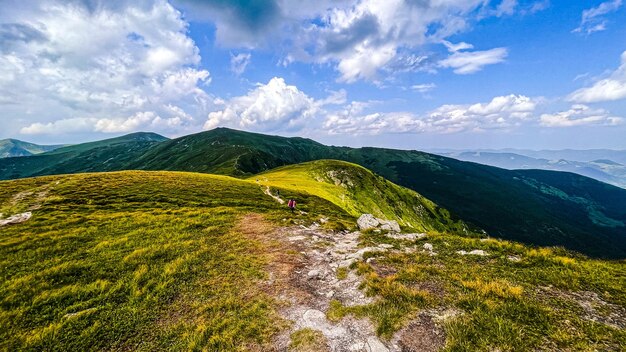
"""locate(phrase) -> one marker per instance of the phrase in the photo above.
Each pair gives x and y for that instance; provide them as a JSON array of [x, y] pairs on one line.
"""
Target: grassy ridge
[[358, 191], [138, 261]]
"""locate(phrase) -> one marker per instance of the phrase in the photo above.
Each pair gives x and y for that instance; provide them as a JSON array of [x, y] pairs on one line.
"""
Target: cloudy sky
[[413, 74]]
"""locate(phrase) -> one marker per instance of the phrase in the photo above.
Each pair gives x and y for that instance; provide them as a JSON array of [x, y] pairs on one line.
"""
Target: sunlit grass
[[138, 261]]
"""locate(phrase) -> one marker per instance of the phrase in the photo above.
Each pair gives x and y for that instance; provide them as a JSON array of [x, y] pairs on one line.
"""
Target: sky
[[410, 74]]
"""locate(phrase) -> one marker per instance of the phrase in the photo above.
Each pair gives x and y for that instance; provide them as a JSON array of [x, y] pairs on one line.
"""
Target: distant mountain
[[603, 170], [537, 207], [106, 155], [13, 147], [590, 155]]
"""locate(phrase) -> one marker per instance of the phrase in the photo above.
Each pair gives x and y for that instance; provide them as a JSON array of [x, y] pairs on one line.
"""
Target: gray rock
[[389, 225], [367, 221], [428, 247], [375, 345], [478, 252], [16, 219], [313, 274], [406, 236]]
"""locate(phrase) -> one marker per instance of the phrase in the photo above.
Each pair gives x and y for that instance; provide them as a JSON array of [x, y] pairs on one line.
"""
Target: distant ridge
[[533, 206], [14, 147]]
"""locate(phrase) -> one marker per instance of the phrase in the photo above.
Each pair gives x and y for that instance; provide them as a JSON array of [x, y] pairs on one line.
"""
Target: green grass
[[358, 191], [166, 261], [308, 340], [139, 261], [504, 306]]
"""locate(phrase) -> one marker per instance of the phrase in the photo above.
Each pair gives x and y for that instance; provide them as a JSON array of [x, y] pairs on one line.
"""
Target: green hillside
[[13, 148], [106, 155], [170, 261], [359, 191], [543, 208]]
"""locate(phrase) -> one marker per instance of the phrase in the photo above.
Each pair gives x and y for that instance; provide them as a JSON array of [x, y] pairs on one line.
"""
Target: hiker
[[277, 193], [292, 205]]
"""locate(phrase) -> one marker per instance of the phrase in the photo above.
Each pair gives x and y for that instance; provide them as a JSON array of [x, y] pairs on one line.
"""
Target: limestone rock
[[367, 221], [16, 219], [478, 252], [390, 225]]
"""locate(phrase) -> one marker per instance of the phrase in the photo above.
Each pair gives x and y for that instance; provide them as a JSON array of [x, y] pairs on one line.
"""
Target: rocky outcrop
[[478, 252], [16, 219], [369, 221]]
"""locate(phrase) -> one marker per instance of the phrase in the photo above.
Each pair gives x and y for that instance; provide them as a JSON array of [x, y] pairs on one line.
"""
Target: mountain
[[179, 261], [105, 155], [538, 207], [604, 170], [587, 155], [13, 148]]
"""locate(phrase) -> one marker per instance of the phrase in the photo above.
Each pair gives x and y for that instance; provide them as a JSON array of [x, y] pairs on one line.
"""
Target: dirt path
[[322, 255], [277, 198], [309, 268]]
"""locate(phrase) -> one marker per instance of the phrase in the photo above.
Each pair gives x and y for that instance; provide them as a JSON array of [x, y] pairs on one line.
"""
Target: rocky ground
[[321, 273]]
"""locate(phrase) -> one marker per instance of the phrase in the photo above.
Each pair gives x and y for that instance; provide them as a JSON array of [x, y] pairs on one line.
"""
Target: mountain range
[[603, 165], [532, 206]]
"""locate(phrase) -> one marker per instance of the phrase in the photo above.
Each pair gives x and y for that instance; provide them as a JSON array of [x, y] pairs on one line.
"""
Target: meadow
[[165, 261]]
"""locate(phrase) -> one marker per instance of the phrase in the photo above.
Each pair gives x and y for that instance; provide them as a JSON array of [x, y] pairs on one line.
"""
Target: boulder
[[428, 247], [390, 225], [367, 221]]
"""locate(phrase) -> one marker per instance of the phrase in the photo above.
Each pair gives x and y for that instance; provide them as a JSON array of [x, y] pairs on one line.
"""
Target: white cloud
[[579, 115], [144, 120], [608, 89], [424, 88], [274, 106], [453, 48], [593, 19], [239, 62], [500, 113], [361, 39], [70, 61], [467, 62]]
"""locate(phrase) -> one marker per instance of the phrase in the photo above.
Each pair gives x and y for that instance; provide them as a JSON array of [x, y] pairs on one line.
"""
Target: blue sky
[[395, 73]]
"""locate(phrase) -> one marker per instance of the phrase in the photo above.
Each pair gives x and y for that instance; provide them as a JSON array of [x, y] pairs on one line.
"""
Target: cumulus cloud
[[607, 89], [500, 113], [145, 120], [362, 39], [593, 19], [275, 106], [85, 61], [239, 62], [579, 115]]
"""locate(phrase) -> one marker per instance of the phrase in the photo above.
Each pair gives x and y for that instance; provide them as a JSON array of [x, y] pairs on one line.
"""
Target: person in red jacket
[[292, 205]]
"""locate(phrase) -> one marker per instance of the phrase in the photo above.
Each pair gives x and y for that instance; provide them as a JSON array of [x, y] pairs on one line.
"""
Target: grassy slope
[[545, 208], [138, 261], [14, 147], [359, 191], [157, 261], [508, 204]]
